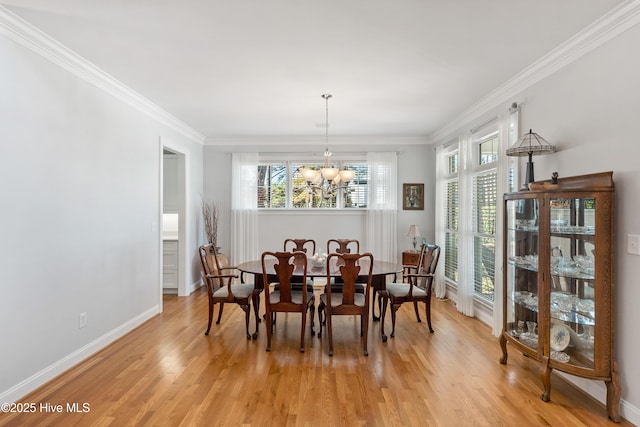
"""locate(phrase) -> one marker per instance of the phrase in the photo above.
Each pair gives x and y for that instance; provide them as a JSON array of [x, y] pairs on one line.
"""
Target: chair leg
[[210, 316], [415, 307], [384, 315], [220, 313], [269, 324], [321, 322], [427, 309], [373, 306], [247, 311], [256, 304], [256, 298], [312, 311], [330, 331], [394, 309], [302, 328], [365, 320]]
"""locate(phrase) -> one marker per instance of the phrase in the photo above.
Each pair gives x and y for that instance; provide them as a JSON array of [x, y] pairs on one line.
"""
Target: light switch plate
[[633, 244]]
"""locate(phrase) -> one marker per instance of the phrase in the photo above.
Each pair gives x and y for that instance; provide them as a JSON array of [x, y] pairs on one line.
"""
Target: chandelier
[[328, 179]]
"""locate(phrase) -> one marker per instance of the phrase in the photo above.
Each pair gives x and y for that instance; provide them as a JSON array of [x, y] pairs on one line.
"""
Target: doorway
[[173, 221]]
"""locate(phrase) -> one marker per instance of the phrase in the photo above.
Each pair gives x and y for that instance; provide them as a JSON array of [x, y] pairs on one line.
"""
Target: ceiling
[[247, 68]]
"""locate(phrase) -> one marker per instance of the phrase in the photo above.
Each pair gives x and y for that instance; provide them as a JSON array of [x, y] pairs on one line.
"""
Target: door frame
[[183, 262]]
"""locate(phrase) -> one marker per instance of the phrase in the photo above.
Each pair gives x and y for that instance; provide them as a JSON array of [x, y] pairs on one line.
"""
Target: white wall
[[80, 213], [416, 164], [589, 109]]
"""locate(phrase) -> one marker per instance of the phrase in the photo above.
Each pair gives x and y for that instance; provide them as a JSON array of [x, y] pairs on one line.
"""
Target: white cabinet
[[170, 177], [170, 266]]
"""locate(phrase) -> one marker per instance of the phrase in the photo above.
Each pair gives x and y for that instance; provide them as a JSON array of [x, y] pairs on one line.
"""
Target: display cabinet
[[558, 279]]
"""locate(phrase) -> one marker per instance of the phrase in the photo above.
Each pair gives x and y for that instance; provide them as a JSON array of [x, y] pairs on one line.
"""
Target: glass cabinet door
[[522, 271], [572, 301]]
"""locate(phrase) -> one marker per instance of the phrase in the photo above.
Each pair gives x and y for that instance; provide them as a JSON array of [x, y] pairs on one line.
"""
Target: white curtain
[[244, 207], [381, 221], [508, 132], [439, 283], [465, 228]]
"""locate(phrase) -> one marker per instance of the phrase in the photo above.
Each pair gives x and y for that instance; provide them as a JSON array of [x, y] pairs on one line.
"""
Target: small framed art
[[413, 197]]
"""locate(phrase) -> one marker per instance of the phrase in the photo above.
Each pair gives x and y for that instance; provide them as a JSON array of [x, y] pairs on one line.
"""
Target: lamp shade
[[329, 173], [347, 175], [414, 231], [531, 144], [309, 174]]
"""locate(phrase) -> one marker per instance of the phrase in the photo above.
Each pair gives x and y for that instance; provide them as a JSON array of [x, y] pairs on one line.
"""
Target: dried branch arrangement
[[210, 214]]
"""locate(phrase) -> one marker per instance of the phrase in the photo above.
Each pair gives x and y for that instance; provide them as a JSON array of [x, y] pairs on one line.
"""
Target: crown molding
[[315, 141], [607, 27], [25, 34]]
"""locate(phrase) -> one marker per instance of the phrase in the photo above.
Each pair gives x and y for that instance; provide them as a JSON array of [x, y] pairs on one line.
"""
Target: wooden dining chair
[[221, 288], [347, 301], [418, 287], [283, 298], [308, 246], [383, 295]]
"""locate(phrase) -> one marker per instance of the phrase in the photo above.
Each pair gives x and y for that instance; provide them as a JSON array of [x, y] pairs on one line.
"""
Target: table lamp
[[529, 145], [414, 231]]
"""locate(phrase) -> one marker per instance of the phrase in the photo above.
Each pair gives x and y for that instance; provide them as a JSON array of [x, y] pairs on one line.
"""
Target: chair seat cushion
[[242, 290], [296, 297], [400, 290], [336, 299]]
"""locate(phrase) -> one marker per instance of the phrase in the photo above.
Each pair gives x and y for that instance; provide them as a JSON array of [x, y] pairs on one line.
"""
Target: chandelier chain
[[327, 153]]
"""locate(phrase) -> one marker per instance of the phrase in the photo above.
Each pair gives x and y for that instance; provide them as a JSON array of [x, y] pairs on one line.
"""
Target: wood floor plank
[[168, 373]]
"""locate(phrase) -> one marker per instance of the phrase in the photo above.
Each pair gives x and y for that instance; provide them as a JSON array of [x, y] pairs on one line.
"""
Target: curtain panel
[[439, 284], [244, 207], [381, 219]]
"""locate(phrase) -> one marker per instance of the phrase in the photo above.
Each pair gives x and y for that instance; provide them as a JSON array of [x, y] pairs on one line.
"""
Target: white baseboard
[[598, 390], [629, 412], [47, 374]]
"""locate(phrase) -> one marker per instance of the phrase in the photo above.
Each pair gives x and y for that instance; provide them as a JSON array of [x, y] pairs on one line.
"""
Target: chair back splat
[[343, 246], [307, 246]]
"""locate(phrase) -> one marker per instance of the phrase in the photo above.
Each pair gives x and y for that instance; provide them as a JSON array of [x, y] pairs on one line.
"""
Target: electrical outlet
[[633, 244], [82, 320]]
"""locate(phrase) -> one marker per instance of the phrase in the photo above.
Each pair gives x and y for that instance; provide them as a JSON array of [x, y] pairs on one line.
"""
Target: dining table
[[381, 270]]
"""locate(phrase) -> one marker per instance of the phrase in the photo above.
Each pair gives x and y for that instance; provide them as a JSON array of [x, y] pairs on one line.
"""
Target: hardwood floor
[[167, 372]]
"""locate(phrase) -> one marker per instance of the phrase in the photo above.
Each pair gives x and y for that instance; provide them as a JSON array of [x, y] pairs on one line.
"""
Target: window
[[451, 218], [281, 185], [488, 150], [484, 241], [272, 186], [485, 198]]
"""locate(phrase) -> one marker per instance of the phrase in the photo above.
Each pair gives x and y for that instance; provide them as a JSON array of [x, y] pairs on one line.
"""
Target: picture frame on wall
[[413, 197]]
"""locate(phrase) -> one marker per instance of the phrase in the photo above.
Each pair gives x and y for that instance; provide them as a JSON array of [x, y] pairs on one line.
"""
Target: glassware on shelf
[[584, 263], [531, 328], [560, 356], [530, 338]]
